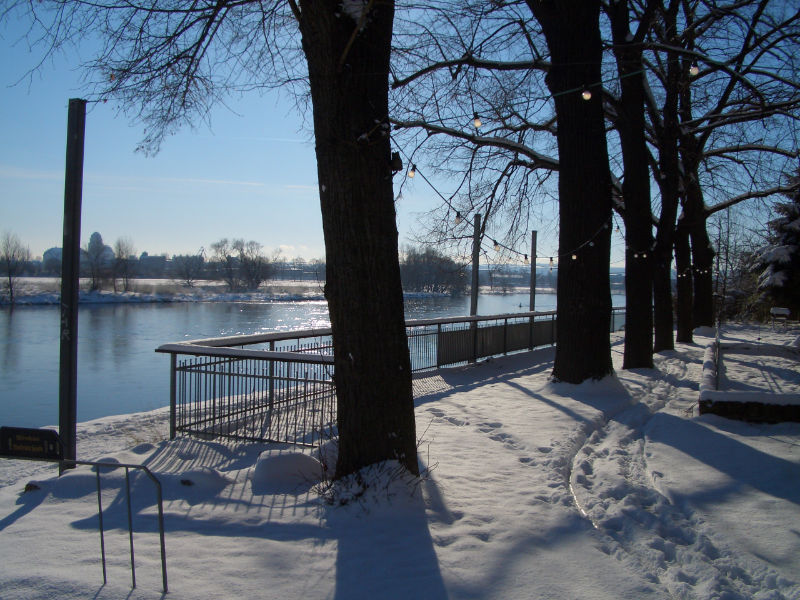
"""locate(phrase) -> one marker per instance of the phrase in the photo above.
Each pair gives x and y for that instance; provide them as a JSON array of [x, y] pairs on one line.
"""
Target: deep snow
[[611, 489]]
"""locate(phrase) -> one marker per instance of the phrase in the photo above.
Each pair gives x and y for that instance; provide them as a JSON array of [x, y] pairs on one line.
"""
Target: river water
[[118, 370]]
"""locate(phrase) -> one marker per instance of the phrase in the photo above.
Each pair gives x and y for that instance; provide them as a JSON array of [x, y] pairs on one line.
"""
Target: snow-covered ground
[[612, 489]]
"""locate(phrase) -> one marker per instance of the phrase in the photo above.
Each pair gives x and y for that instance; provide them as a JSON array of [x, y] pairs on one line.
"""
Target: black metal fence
[[279, 387]]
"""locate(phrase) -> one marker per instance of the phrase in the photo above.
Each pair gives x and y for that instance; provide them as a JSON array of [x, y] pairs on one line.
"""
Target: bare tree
[[506, 162], [254, 266], [428, 270], [188, 268], [226, 263], [14, 255], [168, 63], [727, 71], [124, 260]]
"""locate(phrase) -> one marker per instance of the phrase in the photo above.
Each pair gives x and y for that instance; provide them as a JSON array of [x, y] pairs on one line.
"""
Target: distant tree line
[[241, 265], [244, 266], [427, 270]]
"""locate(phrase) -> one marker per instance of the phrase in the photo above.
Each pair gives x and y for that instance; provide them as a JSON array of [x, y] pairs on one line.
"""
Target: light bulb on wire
[[586, 94], [476, 121], [526, 261], [496, 246], [458, 218], [412, 171], [694, 70]]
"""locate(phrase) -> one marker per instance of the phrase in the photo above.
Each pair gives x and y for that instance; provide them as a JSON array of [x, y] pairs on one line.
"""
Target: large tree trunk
[[348, 65], [669, 177], [635, 194], [583, 349], [702, 255]]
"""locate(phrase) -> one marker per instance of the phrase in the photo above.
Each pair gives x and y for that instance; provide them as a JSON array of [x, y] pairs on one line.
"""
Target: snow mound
[[194, 486], [705, 331], [285, 473]]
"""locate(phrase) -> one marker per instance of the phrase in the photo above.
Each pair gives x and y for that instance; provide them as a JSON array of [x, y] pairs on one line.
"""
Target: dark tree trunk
[[702, 257], [635, 194], [349, 73], [683, 264], [702, 252], [583, 349], [668, 183]]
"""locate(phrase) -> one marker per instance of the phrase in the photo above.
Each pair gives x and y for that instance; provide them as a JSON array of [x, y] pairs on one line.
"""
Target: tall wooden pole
[[533, 272], [476, 254], [70, 272]]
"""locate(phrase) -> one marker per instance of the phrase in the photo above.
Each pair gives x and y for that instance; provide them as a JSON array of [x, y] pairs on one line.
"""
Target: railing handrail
[[221, 346], [278, 336], [195, 350]]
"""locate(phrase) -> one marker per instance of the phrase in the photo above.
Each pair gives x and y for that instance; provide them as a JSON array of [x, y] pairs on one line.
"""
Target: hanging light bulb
[[526, 261], [574, 257], [496, 246], [586, 94], [412, 171], [476, 121], [694, 70], [458, 218]]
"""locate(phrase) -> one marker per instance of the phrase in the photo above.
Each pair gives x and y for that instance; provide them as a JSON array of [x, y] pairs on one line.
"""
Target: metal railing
[[278, 387]]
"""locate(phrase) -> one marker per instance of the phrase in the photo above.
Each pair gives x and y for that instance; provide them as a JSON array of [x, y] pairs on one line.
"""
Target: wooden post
[[476, 253], [533, 272], [473, 305], [70, 273]]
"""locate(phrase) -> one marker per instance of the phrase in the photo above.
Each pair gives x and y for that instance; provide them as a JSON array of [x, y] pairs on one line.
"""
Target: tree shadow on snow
[[380, 544], [742, 463], [433, 385], [385, 549]]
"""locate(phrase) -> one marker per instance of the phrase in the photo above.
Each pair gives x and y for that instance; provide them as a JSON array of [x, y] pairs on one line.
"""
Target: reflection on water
[[118, 370]]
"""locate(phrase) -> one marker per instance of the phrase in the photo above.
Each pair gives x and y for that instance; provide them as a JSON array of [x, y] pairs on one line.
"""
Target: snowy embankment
[[612, 489], [43, 291]]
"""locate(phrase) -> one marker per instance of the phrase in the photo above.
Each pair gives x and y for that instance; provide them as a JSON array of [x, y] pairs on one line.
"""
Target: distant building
[[151, 266]]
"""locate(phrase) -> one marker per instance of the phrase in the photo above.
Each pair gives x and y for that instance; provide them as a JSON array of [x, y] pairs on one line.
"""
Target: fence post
[[271, 393], [438, 340], [173, 364]]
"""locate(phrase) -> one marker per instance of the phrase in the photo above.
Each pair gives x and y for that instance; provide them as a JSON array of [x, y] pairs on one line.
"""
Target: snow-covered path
[[610, 489], [631, 479]]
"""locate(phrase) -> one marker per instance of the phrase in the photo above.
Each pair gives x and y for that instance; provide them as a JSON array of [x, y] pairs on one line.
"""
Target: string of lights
[[477, 123], [585, 91], [413, 171]]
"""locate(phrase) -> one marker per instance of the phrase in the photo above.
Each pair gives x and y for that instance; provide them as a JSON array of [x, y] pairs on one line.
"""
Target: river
[[118, 370]]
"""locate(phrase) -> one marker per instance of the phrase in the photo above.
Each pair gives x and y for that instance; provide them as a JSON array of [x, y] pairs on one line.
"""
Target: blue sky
[[251, 175]]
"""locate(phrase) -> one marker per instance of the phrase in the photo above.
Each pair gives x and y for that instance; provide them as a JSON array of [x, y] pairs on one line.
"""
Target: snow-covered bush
[[779, 261]]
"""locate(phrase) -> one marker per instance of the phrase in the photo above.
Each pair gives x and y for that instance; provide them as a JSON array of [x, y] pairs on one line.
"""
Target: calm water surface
[[118, 370]]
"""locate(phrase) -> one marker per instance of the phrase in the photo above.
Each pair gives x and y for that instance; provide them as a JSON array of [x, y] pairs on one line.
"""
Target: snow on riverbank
[[611, 489], [42, 291]]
